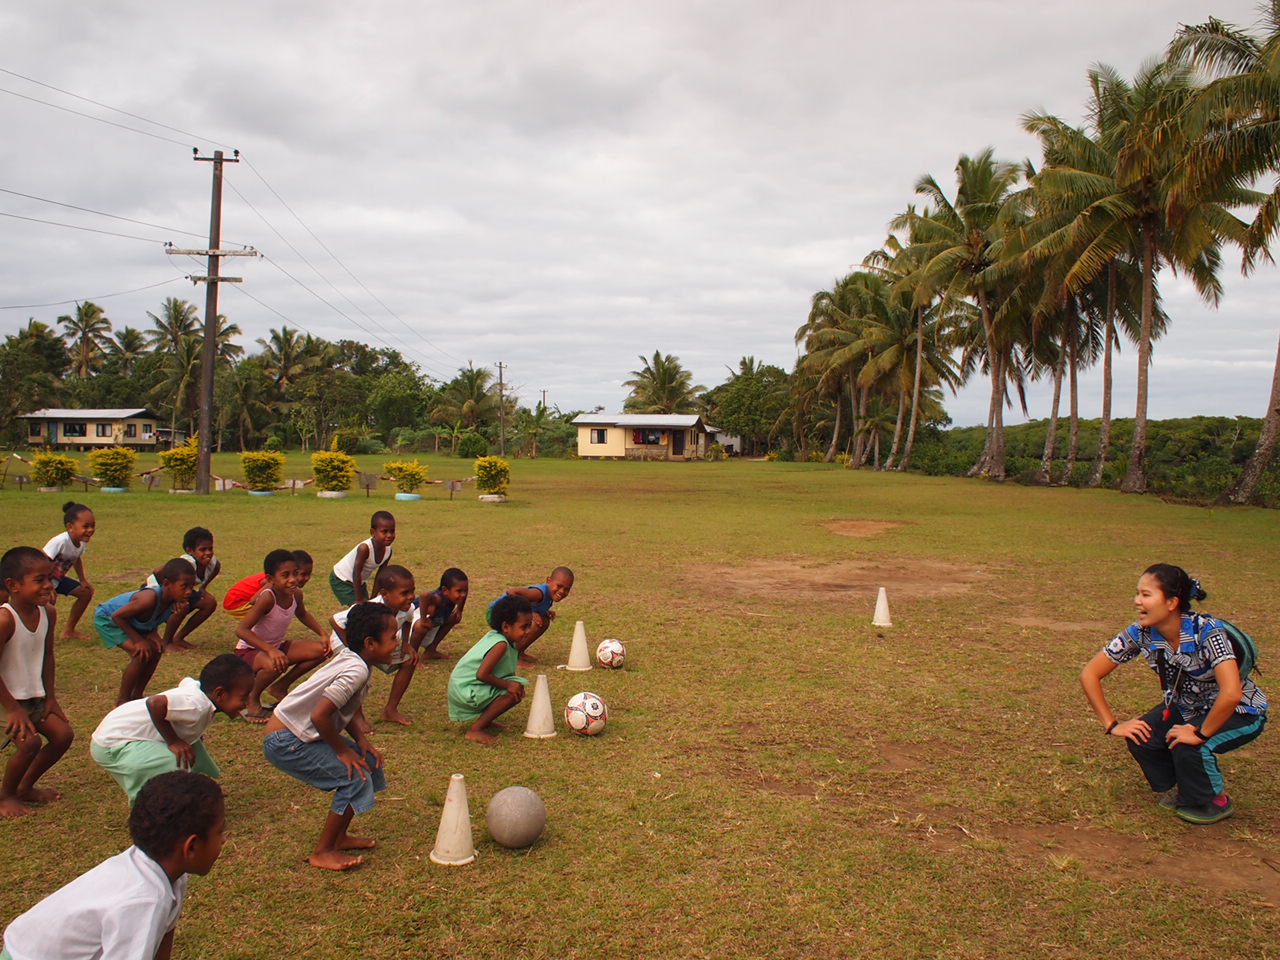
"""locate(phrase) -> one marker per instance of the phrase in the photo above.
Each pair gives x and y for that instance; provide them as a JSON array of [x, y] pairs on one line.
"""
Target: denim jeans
[[316, 763]]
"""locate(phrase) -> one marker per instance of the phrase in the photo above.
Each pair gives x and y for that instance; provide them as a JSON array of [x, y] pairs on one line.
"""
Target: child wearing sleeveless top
[[351, 574], [261, 633], [27, 680], [197, 546], [132, 620]]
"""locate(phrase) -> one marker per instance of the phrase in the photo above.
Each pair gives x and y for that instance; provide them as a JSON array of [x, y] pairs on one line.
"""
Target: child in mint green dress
[[484, 685]]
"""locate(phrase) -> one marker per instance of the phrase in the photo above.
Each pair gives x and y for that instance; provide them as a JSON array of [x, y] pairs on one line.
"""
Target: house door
[[677, 443]]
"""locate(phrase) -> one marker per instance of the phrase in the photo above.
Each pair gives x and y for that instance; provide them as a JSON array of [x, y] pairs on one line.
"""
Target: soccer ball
[[611, 654], [585, 713]]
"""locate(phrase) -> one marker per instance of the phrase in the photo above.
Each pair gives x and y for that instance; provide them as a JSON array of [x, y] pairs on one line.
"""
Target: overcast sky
[[560, 186]]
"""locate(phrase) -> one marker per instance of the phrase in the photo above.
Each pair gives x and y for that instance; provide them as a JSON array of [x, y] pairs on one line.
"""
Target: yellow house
[[643, 436], [85, 429]]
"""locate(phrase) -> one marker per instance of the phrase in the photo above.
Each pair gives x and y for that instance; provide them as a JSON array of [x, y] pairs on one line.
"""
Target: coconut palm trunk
[[1246, 484], [897, 430], [1073, 368], [1104, 430], [915, 391], [1045, 473], [1135, 477], [991, 461]]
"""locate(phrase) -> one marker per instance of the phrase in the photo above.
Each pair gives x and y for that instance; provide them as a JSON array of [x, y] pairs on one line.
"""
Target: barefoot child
[[439, 612], [198, 546], [128, 905], [541, 597], [352, 572], [66, 550], [483, 684], [26, 680], [131, 621], [304, 735], [142, 739], [261, 633], [396, 590]]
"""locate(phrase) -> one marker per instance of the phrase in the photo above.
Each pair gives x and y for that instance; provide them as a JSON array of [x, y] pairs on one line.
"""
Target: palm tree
[[87, 332], [126, 348], [661, 385], [285, 357], [468, 399], [1238, 116], [177, 319], [834, 355], [955, 247], [181, 381]]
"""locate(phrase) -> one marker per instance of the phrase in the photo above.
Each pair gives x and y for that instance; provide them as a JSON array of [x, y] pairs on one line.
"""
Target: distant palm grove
[[1015, 273]]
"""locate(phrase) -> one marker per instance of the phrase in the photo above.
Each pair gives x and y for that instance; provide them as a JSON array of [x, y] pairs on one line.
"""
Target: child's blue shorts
[[317, 764]]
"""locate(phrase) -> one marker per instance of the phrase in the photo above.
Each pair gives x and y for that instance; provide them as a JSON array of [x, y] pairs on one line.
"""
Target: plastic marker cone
[[454, 846], [579, 659], [881, 619], [542, 724]]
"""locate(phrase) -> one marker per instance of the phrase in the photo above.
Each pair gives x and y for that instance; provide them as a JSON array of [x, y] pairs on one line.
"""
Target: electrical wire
[[100, 213], [89, 116], [73, 226], [104, 296]]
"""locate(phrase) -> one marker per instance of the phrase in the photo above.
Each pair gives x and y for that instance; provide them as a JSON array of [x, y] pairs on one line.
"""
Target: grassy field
[[779, 778]]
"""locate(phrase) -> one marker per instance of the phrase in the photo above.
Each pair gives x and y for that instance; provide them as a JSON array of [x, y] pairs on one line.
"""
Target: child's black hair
[[18, 562], [381, 516], [507, 609], [271, 563], [172, 807], [392, 574], [194, 537], [450, 577], [71, 510], [175, 568], [561, 572], [225, 670], [365, 620], [303, 559], [1176, 582]]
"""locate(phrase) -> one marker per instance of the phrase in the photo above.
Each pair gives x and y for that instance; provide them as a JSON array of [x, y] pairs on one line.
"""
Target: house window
[[37, 428], [599, 435], [102, 429], [644, 437], [74, 428], [130, 430]]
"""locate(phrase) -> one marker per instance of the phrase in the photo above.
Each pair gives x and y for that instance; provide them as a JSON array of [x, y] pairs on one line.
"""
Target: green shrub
[[113, 466], [409, 475], [345, 441], [716, 452], [262, 468], [49, 469], [370, 445], [333, 470], [274, 444], [181, 464], [492, 475], [472, 445]]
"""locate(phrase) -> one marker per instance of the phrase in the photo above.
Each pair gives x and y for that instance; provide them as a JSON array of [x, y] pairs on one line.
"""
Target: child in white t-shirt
[[142, 739], [128, 905], [66, 550], [303, 737], [352, 572]]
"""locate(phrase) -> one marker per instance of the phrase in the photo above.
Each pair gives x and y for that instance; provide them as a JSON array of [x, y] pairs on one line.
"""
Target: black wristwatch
[[1114, 724]]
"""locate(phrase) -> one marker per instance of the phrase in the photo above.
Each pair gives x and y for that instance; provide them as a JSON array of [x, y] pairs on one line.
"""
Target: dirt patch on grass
[[1108, 627], [798, 580], [860, 528], [901, 756]]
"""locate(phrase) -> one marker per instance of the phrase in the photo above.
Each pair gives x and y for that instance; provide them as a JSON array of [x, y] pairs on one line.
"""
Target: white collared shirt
[[190, 711]]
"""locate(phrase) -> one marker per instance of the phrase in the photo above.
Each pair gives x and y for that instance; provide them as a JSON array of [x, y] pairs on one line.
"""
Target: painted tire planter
[[180, 490], [262, 493], [493, 498], [408, 496], [113, 489], [331, 494], [49, 489]]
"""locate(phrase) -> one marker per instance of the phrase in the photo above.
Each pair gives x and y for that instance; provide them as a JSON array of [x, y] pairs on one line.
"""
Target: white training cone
[[579, 659], [542, 723], [454, 846], [881, 619]]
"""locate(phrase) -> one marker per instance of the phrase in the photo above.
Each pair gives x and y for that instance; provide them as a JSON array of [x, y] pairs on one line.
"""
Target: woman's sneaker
[[1219, 808], [1168, 799]]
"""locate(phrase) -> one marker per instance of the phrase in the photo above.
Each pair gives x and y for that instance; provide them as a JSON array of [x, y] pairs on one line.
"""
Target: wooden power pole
[[502, 414]]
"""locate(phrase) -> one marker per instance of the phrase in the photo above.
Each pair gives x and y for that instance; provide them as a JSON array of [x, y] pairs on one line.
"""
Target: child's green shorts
[[344, 590], [134, 763]]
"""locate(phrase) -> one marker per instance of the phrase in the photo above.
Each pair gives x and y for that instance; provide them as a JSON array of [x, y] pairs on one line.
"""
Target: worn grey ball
[[516, 817]]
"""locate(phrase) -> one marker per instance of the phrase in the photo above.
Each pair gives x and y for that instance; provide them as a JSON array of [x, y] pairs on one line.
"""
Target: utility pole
[[502, 414], [209, 354], [544, 399]]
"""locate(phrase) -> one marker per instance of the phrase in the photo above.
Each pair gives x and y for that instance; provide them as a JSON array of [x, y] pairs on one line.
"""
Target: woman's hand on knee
[[1137, 730]]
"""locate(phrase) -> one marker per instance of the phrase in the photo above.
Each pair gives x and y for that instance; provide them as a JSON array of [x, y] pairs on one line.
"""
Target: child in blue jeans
[[303, 737]]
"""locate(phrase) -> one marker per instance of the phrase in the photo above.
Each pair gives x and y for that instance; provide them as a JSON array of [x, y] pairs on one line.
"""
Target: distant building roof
[[638, 420], [110, 413]]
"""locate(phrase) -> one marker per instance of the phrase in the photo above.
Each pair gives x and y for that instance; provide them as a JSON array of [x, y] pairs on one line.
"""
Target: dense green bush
[[274, 444], [345, 441], [113, 466], [472, 445], [408, 475], [370, 445], [263, 469], [49, 469], [333, 470], [181, 464], [493, 474]]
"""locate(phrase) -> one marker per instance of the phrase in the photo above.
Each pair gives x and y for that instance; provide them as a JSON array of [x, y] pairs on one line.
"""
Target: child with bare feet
[[483, 685], [66, 550], [261, 633], [439, 612], [27, 680], [197, 544], [304, 737], [132, 621], [352, 572], [128, 905], [541, 597], [396, 590], [142, 739]]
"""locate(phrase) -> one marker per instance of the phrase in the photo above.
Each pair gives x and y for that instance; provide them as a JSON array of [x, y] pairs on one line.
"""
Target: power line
[[100, 213], [73, 226], [89, 116], [104, 296]]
